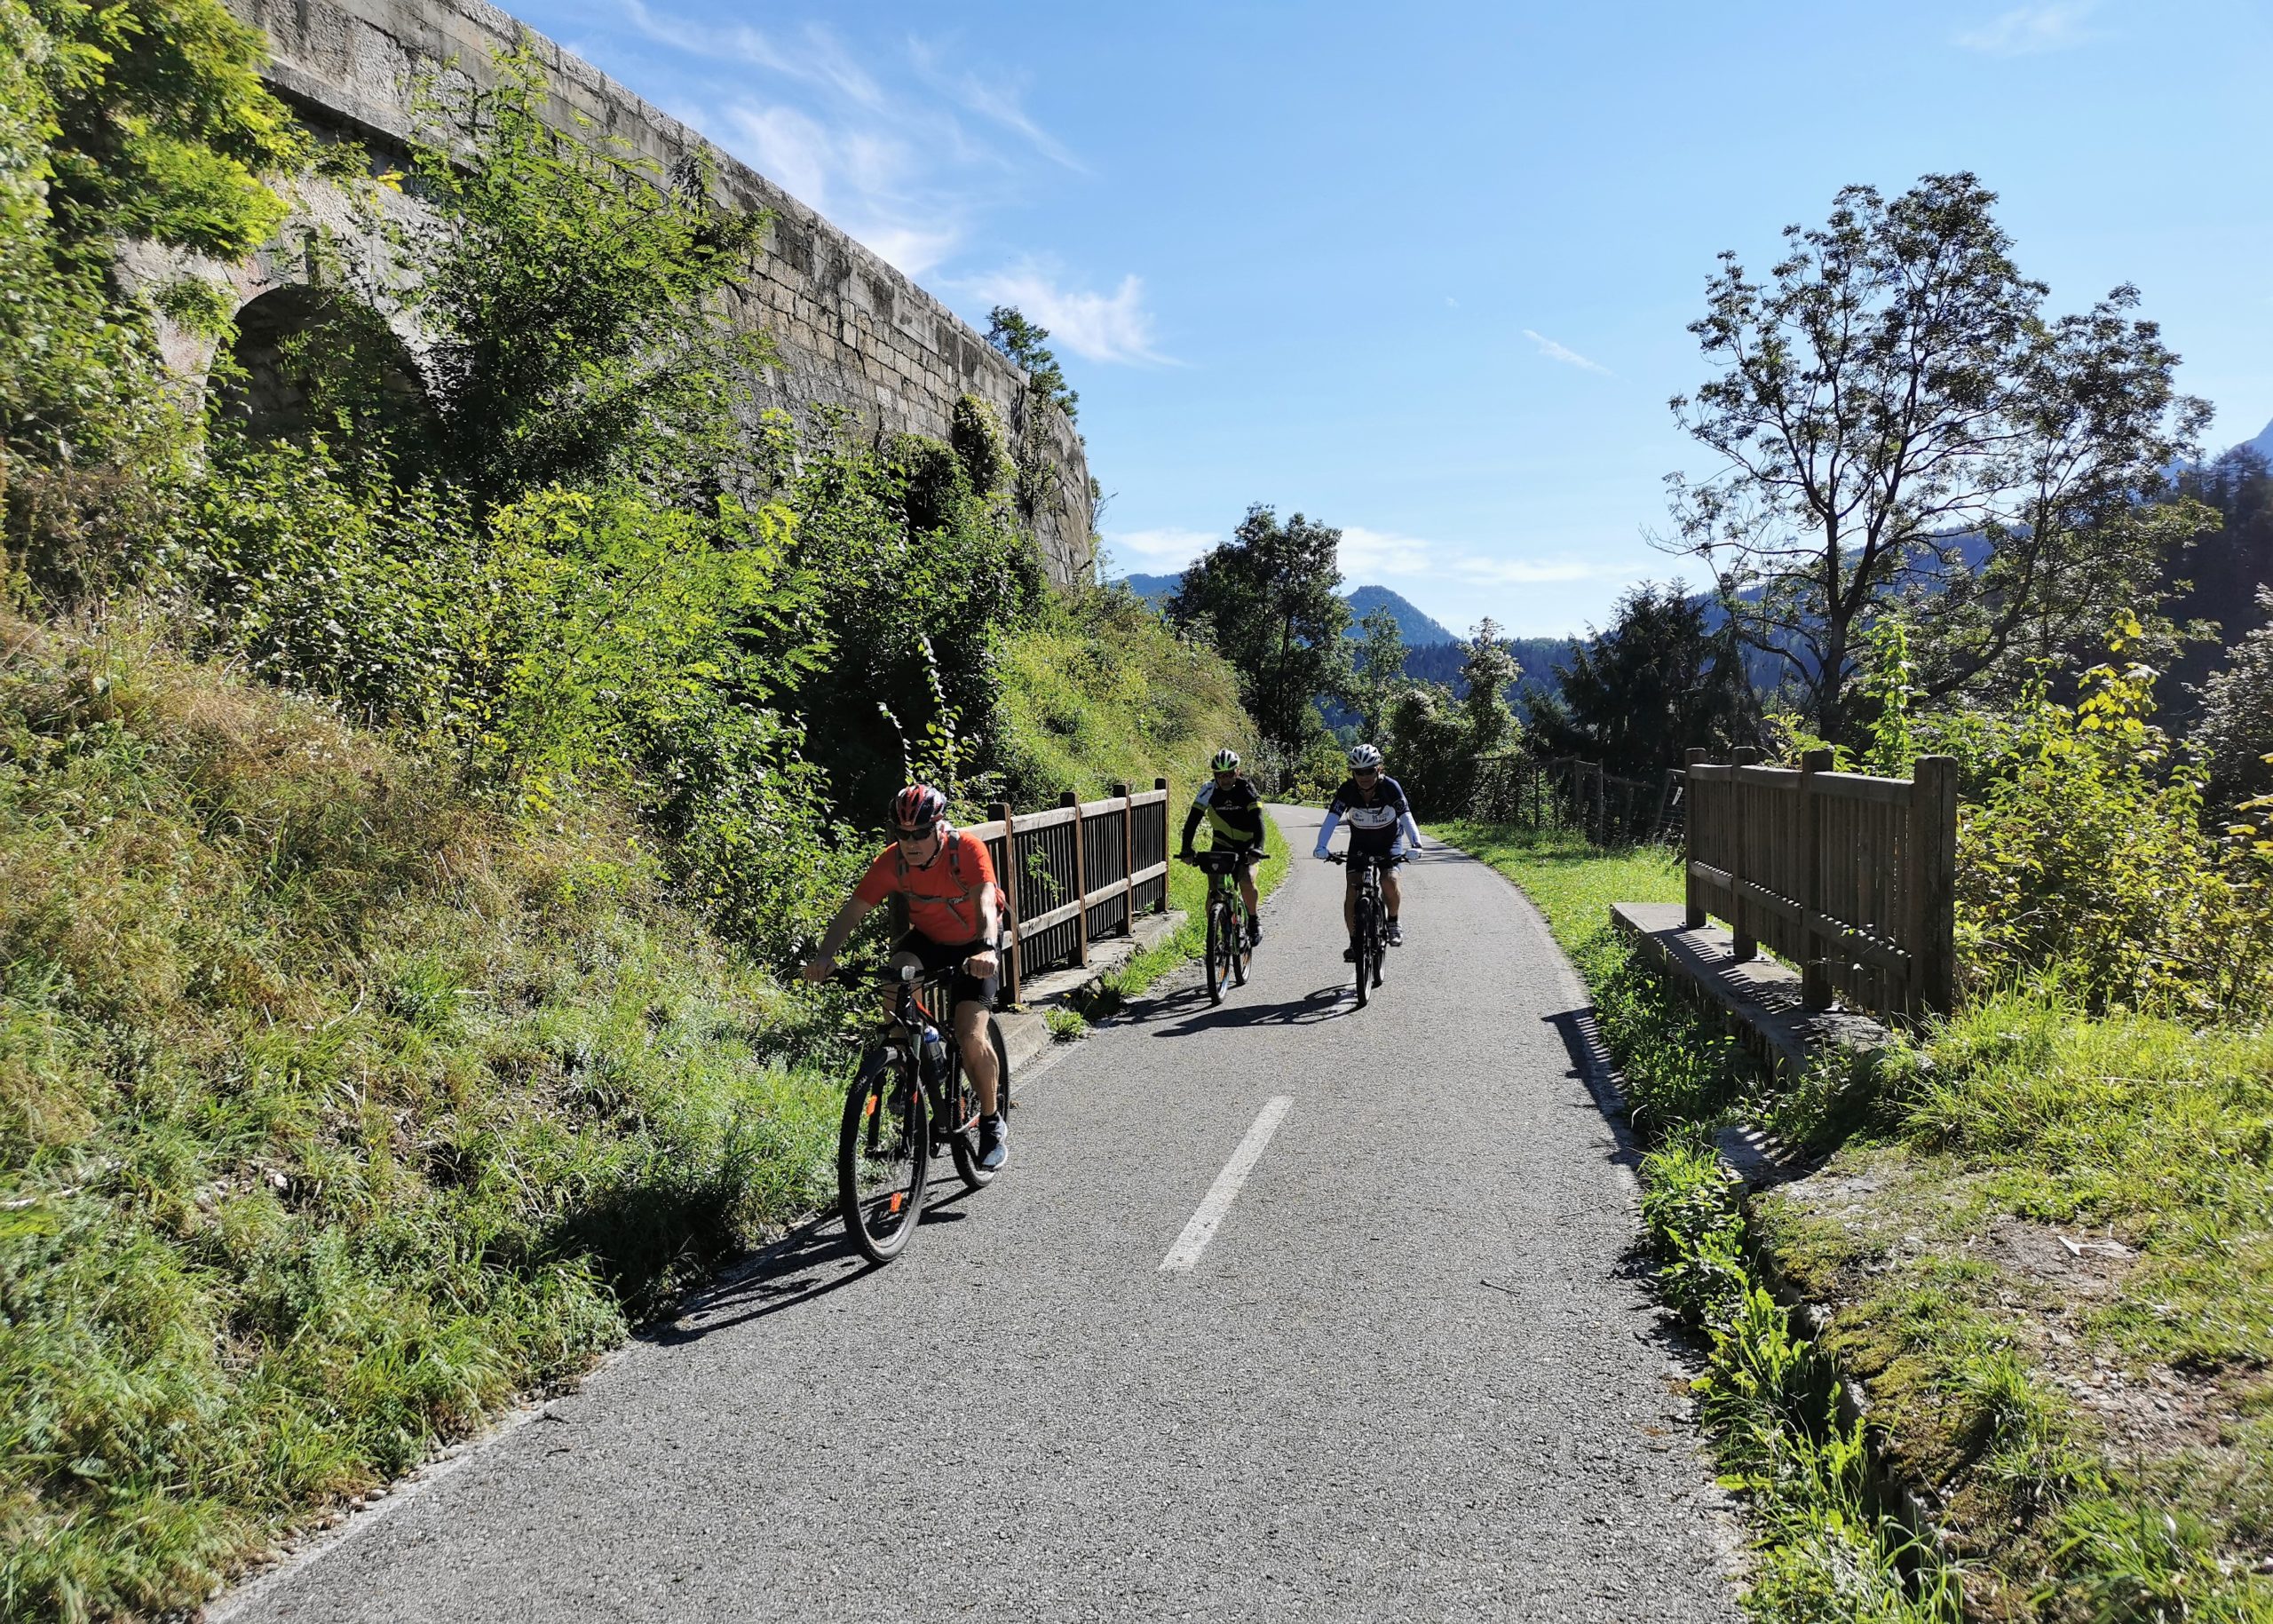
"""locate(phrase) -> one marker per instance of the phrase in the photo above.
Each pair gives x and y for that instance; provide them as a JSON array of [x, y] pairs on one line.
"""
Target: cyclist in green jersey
[[1233, 810]]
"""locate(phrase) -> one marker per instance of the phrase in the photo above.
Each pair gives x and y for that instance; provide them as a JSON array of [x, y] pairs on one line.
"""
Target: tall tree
[[1488, 671], [1379, 668], [1899, 421], [1270, 598], [1661, 679]]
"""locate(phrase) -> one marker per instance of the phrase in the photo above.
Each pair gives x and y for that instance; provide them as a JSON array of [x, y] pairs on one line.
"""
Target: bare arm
[[833, 939]]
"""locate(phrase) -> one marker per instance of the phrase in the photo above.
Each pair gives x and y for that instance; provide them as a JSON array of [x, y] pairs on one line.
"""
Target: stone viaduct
[[851, 330]]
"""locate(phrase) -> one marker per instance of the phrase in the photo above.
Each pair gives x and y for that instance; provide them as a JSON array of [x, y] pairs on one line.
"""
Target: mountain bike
[[1228, 950], [1371, 941], [902, 1107]]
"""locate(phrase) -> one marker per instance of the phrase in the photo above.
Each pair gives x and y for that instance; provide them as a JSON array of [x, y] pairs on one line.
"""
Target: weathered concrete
[[851, 330], [1758, 998]]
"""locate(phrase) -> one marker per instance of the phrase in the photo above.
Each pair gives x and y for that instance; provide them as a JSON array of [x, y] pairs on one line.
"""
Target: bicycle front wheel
[[1219, 961], [1242, 949], [1366, 949], [883, 1153]]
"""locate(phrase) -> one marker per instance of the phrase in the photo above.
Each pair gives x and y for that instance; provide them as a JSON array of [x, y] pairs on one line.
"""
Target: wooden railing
[[1851, 877], [1082, 870]]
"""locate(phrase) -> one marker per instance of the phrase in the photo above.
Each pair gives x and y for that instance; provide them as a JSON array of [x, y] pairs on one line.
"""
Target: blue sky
[[1424, 272]]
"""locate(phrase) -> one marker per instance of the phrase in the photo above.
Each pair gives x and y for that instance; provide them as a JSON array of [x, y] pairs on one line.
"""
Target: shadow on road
[[1324, 1004], [810, 1262], [1590, 1064]]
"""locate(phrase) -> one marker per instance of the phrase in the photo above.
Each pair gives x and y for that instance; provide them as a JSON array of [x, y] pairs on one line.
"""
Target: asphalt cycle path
[[1282, 1309]]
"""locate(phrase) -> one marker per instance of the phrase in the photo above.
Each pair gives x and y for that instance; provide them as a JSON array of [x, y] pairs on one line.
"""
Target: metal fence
[[1851, 877], [1082, 870], [1565, 792]]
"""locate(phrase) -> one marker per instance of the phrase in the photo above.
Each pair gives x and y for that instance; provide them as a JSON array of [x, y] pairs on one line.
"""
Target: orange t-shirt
[[943, 897]]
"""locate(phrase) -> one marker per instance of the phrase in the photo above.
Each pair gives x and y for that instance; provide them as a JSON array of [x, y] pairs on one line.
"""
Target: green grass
[[1098, 690], [2096, 1432], [334, 1110]]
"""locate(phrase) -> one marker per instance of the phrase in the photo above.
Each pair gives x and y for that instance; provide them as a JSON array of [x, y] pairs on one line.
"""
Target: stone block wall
[[851, 330]]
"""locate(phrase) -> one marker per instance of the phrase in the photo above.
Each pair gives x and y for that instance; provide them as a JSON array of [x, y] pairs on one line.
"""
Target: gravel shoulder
[[1414, 1375]]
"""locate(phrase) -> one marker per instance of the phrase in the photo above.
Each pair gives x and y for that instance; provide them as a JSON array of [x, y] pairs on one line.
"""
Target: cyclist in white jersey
[[1381, 824]]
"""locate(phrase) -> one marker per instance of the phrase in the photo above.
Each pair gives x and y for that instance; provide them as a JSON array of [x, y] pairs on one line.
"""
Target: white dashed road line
[[1225, 1189]]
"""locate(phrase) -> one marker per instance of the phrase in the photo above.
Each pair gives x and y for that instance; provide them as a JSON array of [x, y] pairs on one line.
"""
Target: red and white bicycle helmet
[[918, 804]]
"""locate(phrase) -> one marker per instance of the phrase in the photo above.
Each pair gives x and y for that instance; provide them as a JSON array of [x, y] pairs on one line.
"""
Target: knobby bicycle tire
[[1242, 948], [1218, 961], [1364, 945], [962, 1096], [883, 1155]]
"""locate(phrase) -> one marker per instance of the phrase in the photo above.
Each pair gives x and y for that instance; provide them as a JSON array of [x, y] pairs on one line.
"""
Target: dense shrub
[[2084, 861]]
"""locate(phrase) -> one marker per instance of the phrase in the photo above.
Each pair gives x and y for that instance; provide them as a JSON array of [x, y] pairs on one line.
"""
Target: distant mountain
[[1420, 631], [1154, 589], [1417, 629], [2263, 444]]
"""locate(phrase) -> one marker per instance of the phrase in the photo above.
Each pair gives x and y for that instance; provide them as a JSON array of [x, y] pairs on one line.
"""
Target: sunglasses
[[908, 837], [1369, 773]]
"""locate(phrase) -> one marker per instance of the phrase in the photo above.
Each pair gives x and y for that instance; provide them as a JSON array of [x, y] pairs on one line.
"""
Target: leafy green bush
[[1695, 1231], [2083, 861]]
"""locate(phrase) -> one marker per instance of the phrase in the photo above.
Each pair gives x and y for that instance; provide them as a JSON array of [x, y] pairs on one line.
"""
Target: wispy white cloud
[[815, 56], [872, 182], [2032, 30], [1369, 554], [1099, 327], [1169, 548], [1568, 358], [990, 100], [906, 153]]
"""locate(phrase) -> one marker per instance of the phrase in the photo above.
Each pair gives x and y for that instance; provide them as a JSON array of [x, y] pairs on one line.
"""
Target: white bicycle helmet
[[1365, 755]]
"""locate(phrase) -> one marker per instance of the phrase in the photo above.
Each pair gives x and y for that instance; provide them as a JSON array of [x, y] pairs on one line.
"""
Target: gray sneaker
[[1396, 935], [993, 1141]]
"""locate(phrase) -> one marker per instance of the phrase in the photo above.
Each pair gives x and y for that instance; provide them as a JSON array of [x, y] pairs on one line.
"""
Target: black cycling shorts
[[962, 987]]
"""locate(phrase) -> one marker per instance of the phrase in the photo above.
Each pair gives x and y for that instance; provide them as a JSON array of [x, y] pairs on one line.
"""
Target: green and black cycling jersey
[[1234, 815]]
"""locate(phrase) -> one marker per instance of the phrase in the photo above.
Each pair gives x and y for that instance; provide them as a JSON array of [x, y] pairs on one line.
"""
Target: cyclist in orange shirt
[[954, 915]]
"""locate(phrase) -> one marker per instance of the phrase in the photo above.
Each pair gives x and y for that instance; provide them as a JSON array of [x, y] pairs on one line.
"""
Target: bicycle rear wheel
[[1219, 963], [964, 1095], [883, 1153]]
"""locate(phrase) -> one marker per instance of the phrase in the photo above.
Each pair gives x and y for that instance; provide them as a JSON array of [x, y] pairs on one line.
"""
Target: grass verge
[[335, 1110], [2044, 1242]]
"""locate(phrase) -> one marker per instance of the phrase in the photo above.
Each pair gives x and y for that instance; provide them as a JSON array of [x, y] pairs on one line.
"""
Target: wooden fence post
[[1081, 878], [999, 812], [1745, 944], [1815, 980], [1693, 915], [1128, 861], [1162, 785], [1933, 897]]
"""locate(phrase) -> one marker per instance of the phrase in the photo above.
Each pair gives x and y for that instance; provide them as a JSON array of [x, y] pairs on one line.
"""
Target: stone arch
[[304, 356]]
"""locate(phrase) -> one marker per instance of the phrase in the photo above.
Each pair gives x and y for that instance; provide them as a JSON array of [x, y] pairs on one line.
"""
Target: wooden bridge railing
[[1851, 877], [1082, 870]]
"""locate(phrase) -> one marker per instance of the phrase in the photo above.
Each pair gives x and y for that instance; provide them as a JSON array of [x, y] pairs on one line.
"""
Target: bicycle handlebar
[[891, 975], [1386, 860]]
